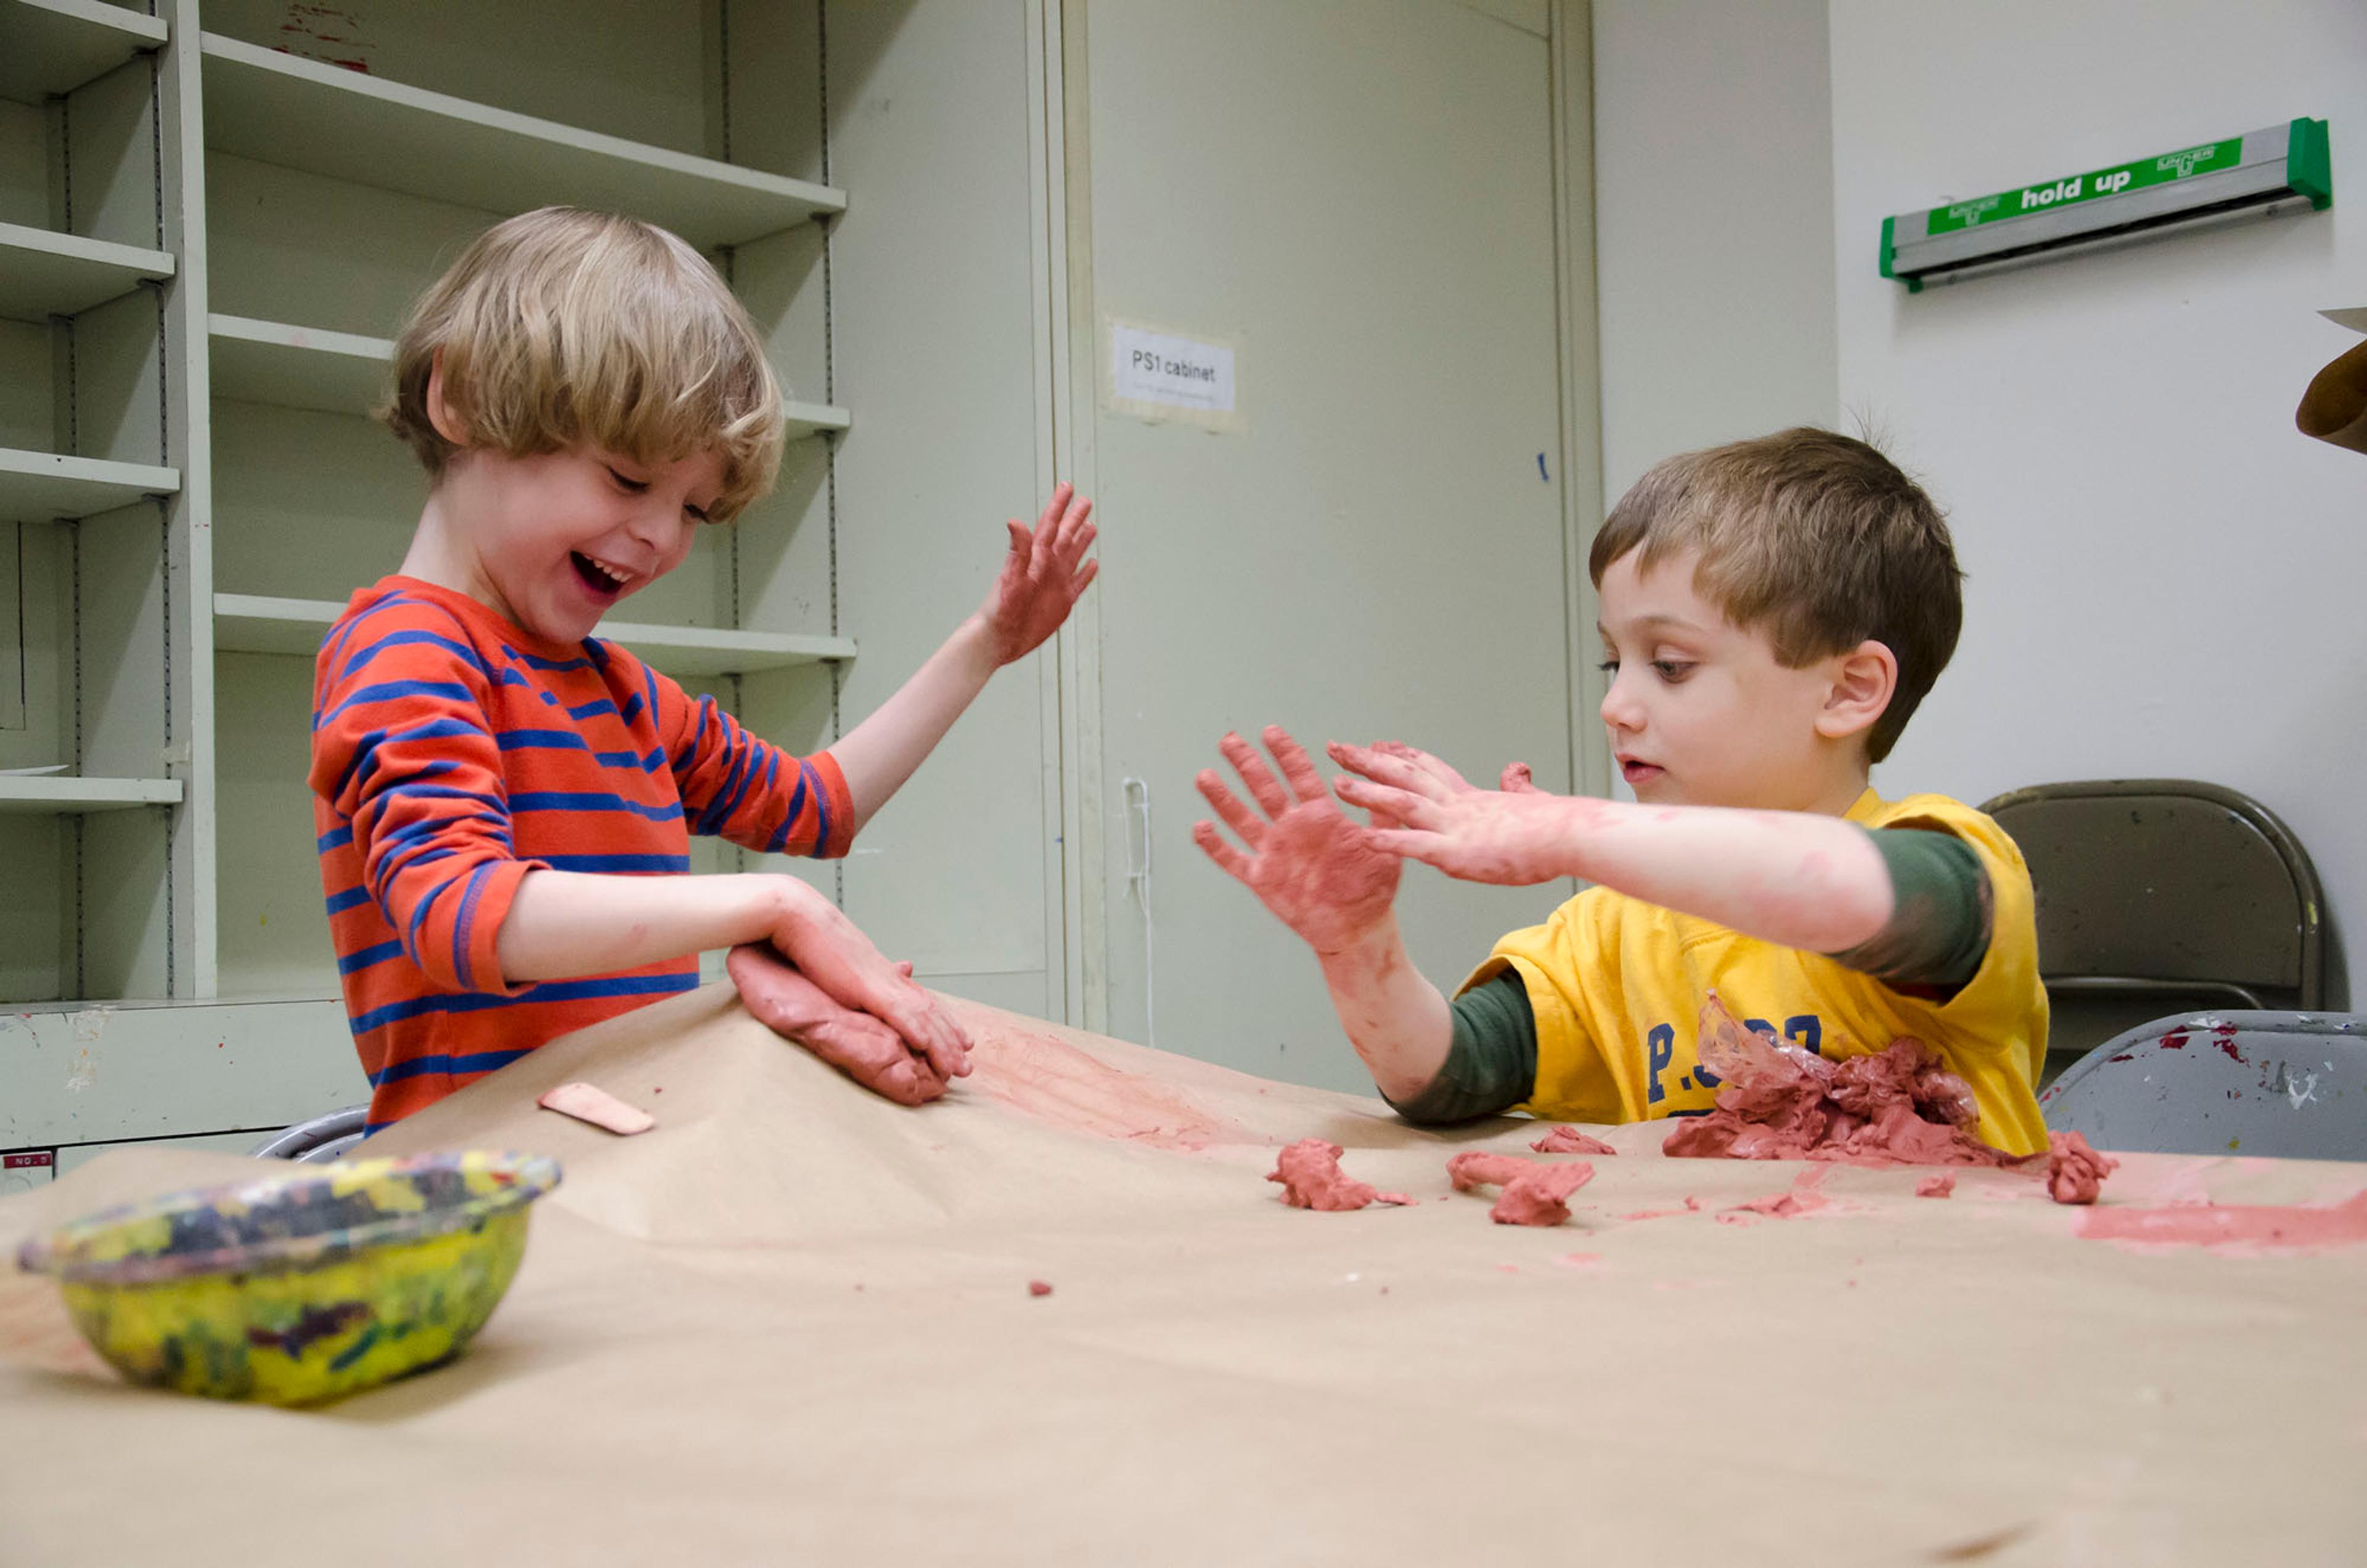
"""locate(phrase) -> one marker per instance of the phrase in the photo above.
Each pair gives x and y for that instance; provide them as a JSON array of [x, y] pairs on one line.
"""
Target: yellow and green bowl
[[301, 1286]]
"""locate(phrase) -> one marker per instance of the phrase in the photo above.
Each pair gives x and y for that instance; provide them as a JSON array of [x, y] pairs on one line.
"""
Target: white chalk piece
[[1165, 375], [598, 1107]]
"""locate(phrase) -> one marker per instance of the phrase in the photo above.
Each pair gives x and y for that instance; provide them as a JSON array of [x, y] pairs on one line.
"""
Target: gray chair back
[[318, 1141], [2155, 893], [2291, 1085]]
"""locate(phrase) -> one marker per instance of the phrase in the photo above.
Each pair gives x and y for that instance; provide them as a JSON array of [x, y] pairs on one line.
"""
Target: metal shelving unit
[[213, 308]]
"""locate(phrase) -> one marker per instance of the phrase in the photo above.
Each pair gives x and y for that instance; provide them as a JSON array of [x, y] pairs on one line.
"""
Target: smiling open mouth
[[600, 580]]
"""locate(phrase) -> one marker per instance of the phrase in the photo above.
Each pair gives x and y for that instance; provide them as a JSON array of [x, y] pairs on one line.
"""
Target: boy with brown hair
[[1772, 612], [503, 801]]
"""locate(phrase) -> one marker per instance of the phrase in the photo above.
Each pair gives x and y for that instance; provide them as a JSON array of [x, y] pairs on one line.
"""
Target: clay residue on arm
[[1942, 909], [1491, 1059], [1324, 877]]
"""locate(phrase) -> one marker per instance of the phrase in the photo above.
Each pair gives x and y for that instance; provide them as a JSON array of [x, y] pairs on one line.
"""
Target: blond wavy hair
[[561, 327]]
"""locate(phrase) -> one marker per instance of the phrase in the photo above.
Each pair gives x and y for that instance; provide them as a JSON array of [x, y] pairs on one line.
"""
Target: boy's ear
[[440, 412], [1862, 681]]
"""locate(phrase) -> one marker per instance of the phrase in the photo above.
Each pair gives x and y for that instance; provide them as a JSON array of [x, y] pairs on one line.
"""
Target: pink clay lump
[[1898, 1106], [1310, 1175], [1534, 1193]]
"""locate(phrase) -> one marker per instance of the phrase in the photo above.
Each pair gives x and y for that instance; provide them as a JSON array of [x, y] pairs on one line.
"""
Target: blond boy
[[1772, 612], [503, 800]]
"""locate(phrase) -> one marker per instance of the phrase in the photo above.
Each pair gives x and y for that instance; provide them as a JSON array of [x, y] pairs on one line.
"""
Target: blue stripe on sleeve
[[365, 758], [591, 800], [797, 808], [822, 844], [368, 957], [463, 922], [422, 1066], [414, 638], [395, 690], [554, 991], [541, 741], [536, 662], [689, 748], [351, 898], [616, 865]]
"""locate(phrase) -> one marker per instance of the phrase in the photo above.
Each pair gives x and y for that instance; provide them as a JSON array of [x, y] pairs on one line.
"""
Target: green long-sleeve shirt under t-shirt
[[1936, 937]]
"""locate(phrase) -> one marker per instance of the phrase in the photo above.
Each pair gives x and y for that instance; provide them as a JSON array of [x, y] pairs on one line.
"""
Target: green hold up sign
[[2120, 178]]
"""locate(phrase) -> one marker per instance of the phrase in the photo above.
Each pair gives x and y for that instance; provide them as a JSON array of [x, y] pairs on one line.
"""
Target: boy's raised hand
[[857, 1043], [1324, 877], [1423, 809], [1042, 575]]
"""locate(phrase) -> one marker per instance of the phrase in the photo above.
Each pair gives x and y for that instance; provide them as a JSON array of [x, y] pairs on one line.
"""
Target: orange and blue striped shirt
[[452, 754]]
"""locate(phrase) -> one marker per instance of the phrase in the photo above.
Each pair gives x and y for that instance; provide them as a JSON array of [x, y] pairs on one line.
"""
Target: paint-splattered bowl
[[301, 1286]]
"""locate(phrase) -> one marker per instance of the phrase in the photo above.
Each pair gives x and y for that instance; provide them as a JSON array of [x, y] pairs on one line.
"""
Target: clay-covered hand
[[855, 1042], [832, 952], [1320, 873], [1423, 809], [1042, 575]]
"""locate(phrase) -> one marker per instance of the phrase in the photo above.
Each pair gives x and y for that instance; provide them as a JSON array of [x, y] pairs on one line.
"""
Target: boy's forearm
[[563, 924], [1795, 878], [882, 751], [1398, 1021]]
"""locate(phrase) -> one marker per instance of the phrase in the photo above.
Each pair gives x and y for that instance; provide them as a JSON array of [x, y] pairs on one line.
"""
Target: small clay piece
[[1311, 1179], [1571, 1141], [1935, 1187], [1898, 1106], [2075, 1172], [1040, 1287], [1534, 1193], [1475, 1168], [598, 1107]]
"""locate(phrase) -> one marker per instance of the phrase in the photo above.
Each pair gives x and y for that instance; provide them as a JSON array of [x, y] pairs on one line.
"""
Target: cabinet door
[[1357, 196]]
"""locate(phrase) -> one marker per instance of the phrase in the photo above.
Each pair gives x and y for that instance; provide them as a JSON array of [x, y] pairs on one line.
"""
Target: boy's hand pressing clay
[[1323, 875], [826, 949], [1424, 811], [857, 1043], [1041, 578]]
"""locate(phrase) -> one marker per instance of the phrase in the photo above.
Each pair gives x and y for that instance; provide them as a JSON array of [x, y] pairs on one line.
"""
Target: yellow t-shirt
[[1617, 987]]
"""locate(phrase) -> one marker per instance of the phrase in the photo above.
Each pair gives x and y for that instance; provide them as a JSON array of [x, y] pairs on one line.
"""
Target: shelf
[[296, 367], [53, 795], [815, 419], [56, 46], [275, 109], [307, 368], [248, 623], [45, 274], [39, 487], [698, 651]]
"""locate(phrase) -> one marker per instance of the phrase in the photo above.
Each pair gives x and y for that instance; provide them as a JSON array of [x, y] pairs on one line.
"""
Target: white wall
[[1713, 197], [2165, 579]]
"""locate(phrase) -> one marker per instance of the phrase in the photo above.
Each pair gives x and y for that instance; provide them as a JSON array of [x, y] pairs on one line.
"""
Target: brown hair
[[1818, 539], [561, 327]]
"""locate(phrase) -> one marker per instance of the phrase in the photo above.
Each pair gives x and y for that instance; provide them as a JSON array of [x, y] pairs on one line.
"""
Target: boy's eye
[[695, 513], [1609, 667], [1673, 669], [631, 485]]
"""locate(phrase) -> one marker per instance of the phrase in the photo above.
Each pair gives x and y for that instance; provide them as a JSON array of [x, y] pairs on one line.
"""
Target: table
[[794, 1323]]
